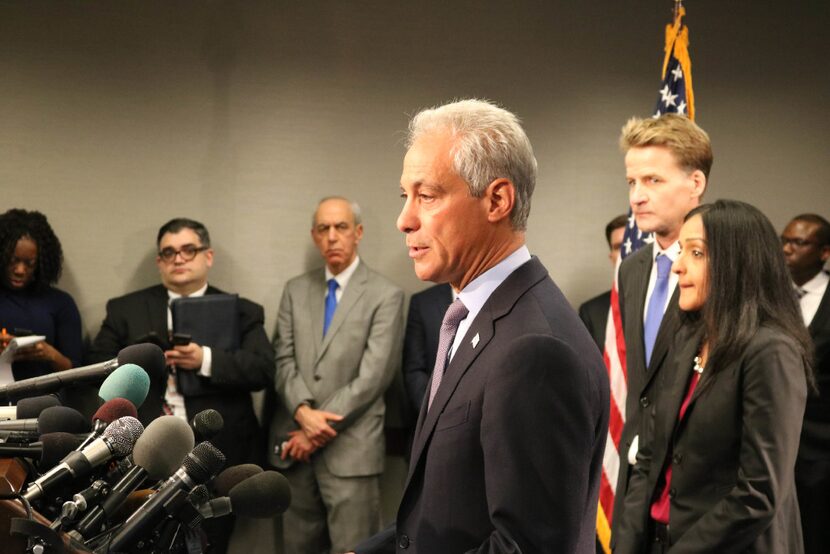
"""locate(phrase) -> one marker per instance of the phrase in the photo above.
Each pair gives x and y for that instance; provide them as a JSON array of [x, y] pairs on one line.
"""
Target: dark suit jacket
[[732, 455], [420, 346], [594, 314], [815, 436], [633, 281], [509, 457], [233, 374]]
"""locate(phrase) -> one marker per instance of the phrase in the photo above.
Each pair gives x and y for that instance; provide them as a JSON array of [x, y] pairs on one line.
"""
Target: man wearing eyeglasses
[[806, 245]]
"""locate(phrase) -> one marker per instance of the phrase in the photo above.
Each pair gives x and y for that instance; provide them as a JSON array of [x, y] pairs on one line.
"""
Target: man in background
[[199, 376], [667, 164], [806, 244], [594, 312], [338, 344]]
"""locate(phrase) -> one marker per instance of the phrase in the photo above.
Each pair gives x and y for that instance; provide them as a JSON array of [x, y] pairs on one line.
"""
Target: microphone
[[50, 420], [157, 453], [117, 441], [129, 381], [232, 476], [108, 412], [199, 466], [146, 355], [262, 495], [50, 449], [28, 408], [207, 424]]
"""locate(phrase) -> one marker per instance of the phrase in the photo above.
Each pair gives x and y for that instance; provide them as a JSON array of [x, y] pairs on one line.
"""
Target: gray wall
[[115, 116]]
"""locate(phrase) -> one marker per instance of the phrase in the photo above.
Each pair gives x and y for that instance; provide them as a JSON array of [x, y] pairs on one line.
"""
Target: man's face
[[616, 244], [336, 234], [660, 192], [446, 228], [180, 275], [802, 253]]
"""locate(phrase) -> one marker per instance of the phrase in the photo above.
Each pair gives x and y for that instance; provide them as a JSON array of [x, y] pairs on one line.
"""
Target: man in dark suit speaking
[[508, 448]]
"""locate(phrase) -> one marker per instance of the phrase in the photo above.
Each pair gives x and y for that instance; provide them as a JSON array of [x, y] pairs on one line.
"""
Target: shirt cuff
[[207, 358]]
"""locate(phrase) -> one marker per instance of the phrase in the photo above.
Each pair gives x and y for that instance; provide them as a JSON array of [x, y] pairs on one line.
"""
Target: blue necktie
[[331, 304], [657, 304]]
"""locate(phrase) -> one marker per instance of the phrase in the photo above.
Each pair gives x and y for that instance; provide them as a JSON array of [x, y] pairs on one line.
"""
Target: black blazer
[[732, 456], [594, 314], [509, 457], [633, 282], [234, 375], [815, 435], [420, 346]]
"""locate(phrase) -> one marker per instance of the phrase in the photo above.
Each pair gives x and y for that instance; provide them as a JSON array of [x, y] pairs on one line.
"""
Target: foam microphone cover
[[232, 476], [263, 495], [128, 381], [114, 409], [145, 355], [56, 446], [30, 408], [163, 446], [61, 418]]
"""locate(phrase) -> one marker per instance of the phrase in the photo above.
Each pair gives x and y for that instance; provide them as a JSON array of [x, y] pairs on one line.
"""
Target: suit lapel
[[315, 300], [351, 295], [156, 314], [820, 320]]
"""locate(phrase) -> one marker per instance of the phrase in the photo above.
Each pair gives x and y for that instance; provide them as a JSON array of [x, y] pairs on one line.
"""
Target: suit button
[[676, 459], [644, 402], [317, 377], [672, 493], [403, 542]]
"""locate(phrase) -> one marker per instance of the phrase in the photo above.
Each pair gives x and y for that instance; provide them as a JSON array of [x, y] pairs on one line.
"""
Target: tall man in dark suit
[[667, 164], [806, 244], [215, 378], [338, 343], [594, 312], [508, 448]]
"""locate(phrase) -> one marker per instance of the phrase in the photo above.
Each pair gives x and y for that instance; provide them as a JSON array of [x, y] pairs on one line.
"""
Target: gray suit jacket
[[345, 372]]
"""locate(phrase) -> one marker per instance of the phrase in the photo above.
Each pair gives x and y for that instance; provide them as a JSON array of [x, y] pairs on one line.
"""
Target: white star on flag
[[681, 108], [677, 72], [669, 100]]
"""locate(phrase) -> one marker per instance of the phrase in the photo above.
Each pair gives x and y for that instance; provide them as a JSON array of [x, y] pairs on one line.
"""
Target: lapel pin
[[474, 342]]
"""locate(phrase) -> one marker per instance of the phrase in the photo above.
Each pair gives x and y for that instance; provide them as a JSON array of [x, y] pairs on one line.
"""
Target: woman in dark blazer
[[714, 473]]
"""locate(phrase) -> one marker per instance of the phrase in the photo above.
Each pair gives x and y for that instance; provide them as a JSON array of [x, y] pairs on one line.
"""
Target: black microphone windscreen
[[56, 446], [30, 408], [147, 356], [204, 462], [115, 409], [208, 423], [232, 476], [199, 495], [163, 446], [263, 495], [61, 418]]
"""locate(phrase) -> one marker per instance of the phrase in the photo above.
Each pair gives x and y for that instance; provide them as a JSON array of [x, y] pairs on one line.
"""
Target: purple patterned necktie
[[455, 313]]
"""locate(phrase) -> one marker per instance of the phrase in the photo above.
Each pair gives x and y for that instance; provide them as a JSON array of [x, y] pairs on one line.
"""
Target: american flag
[[675, 96]]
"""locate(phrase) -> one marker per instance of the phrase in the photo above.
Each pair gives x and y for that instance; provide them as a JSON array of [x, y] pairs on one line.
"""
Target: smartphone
[[181, 339]]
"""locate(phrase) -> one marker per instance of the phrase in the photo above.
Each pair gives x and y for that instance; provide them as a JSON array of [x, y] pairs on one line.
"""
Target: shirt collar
[[343, 277], [817, 284], [201, 292], [477, 291], [672, 252]]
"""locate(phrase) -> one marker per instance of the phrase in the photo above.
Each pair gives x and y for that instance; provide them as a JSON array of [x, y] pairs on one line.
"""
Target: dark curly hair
[[16, 224]]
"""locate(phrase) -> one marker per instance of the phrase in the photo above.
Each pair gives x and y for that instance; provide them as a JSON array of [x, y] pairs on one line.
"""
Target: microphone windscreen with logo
[[145, 355], [128, 381], [31, 408], [61, 418], [163, 446], [232, 476], [56, 446], [263, 495], [114, 409]]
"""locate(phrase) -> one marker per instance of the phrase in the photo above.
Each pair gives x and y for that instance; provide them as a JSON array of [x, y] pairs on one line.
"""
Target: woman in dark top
[[31, 258], [715, 468]]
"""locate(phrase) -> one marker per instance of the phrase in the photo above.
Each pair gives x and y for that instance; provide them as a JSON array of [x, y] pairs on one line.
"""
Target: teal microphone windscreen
[[128, 381]]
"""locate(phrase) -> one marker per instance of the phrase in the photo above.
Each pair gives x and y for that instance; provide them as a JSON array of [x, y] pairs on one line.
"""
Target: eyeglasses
[[800, 243], [187, 252]]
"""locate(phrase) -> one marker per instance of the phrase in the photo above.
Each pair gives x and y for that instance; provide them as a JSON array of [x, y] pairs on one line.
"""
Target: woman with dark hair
[[31, 258], [718, 446]]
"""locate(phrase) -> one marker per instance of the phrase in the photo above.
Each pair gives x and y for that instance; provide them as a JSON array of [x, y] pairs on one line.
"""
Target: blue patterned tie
[[331, 304], [657, 304]]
